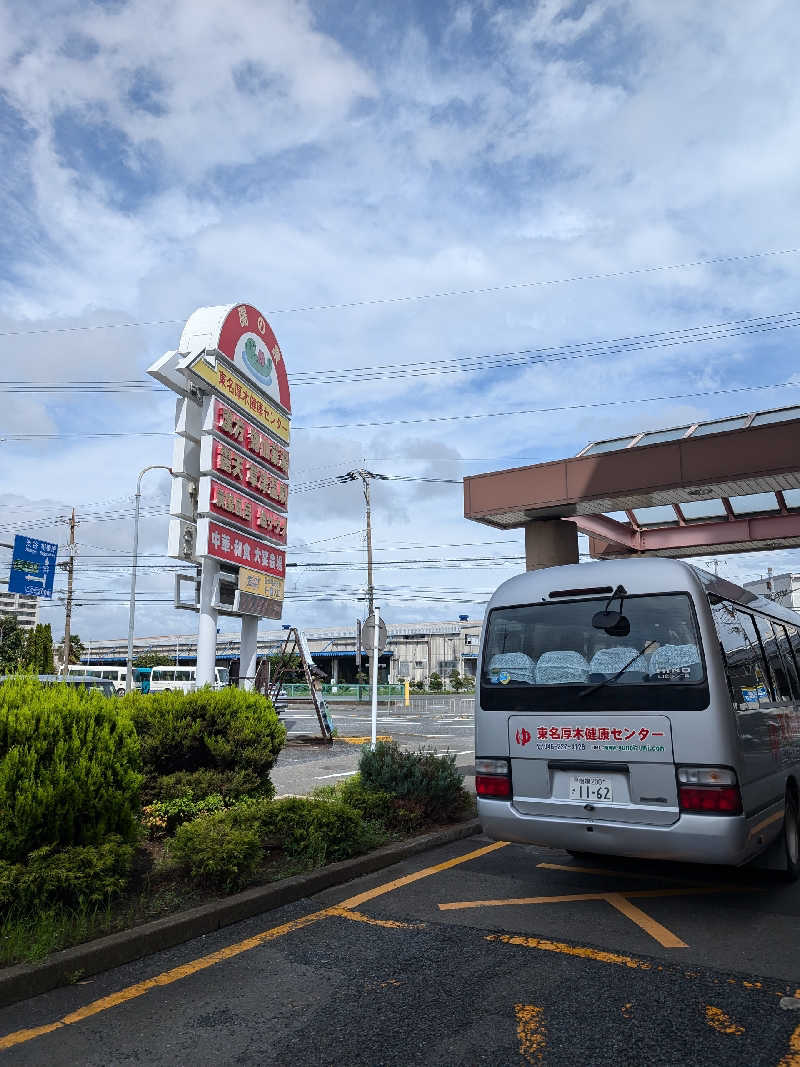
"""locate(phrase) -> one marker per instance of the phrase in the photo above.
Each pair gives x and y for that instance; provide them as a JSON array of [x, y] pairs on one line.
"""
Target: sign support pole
[[248, 650], [207, 624], [374, 672], [68, 616]]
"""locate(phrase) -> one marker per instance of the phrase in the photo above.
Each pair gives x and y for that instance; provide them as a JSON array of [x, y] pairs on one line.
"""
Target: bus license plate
[[590, 787]]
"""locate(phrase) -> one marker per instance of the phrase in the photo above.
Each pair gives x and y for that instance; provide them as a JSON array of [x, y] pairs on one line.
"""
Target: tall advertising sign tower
[[230, 473]]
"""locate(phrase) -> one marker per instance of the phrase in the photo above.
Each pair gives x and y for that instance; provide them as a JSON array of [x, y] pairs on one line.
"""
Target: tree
[[457, 683], [152, 659], [435, 683], [38, 656], [12, 644], [76, 649], [287, 667]]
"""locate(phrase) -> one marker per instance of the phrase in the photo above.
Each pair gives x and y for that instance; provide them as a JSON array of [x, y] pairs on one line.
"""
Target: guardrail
[[344, 691]]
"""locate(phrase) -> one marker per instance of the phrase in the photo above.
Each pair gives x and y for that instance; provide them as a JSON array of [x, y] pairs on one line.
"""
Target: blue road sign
[[33, 567]]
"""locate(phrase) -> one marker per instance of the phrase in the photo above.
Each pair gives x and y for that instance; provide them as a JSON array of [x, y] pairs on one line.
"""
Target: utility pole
[[366, 477], [70, 576]]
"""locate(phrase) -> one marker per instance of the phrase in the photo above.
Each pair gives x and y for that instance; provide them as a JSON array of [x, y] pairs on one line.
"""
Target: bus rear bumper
[[720, 839]]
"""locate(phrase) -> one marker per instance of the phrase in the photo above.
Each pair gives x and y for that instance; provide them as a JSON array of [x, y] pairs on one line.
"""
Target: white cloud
[[272, 153]]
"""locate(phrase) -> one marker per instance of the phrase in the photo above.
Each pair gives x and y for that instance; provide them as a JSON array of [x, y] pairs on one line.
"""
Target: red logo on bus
[[523, 737]]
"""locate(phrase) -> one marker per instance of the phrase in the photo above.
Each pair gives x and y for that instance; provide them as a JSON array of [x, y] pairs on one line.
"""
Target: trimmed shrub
[[230, 732], [421, 778], [399, 814], [75, 877], [215, 852], [69, 768]]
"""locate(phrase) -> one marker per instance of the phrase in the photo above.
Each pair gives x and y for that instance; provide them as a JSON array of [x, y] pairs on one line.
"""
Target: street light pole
[[132, 611]]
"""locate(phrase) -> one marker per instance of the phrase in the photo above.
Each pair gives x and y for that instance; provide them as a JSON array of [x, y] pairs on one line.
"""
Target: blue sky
[[326, 162]]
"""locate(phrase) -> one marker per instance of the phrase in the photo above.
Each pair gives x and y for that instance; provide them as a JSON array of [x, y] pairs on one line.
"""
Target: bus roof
[[651, 574]]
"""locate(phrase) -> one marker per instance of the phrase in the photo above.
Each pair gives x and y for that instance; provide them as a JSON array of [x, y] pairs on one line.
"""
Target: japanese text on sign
[[249, 437], [243, 550]]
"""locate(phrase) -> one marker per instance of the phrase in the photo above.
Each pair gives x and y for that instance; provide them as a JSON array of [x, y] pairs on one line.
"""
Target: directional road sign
[[33, 567]]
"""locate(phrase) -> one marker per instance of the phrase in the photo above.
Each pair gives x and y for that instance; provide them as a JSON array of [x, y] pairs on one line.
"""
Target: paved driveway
[[476, 953]]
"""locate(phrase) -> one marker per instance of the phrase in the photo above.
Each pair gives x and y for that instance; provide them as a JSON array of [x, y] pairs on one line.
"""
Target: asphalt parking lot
[[476, 952], [443, 724]]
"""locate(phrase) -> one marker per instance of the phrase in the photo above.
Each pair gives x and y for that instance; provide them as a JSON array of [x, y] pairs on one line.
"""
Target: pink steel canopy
[[728, 485]]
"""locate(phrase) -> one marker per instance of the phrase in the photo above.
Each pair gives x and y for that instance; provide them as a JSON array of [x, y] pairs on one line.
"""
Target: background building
[[415, 650], [782, 588], [24, 608]]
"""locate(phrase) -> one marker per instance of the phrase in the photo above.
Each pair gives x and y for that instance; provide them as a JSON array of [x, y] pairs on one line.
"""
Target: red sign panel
[[229, 422], [243, 551], [229, 504], [250, 475]]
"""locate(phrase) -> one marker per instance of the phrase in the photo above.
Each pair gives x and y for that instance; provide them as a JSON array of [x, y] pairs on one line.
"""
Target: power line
[[472, 363], [442, 294], [323, 483]]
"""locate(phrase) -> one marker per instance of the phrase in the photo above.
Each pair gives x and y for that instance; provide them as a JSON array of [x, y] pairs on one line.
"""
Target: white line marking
[[342, 774]]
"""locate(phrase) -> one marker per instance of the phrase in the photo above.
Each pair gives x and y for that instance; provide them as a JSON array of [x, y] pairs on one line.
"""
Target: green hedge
[[69, 768], [77, 877], [225, 849], [420, 778], [209, 741]]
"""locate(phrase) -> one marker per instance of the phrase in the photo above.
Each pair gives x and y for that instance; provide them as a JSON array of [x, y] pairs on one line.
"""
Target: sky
[[411, 193]]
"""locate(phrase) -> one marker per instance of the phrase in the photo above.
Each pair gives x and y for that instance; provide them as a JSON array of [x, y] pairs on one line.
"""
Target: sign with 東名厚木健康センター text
[[238, 393]]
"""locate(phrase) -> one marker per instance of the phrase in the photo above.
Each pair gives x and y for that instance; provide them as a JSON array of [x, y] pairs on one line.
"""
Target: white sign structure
[[231, 467]]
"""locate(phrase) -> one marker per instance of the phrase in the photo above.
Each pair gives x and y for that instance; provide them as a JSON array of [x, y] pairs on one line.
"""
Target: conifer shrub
[[80, 876], [419, 778], [210, 741], [398, 814], [305, 827], [69, 768], [214, 851]]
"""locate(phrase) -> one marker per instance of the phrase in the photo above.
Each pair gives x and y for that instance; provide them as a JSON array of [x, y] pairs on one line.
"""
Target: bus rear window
[[549, 655]]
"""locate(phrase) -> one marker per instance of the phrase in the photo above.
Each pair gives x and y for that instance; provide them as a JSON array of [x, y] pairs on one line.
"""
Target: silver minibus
[[640, 707]]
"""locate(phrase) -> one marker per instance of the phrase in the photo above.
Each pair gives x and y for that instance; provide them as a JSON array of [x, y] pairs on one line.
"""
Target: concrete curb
[[31, 979]]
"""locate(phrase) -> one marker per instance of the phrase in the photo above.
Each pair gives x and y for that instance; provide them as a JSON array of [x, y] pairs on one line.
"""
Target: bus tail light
[[492, 778], [709, 790]]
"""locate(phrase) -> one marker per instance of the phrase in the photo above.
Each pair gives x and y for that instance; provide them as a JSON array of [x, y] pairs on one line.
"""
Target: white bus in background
[[115, 675], [183, 678]]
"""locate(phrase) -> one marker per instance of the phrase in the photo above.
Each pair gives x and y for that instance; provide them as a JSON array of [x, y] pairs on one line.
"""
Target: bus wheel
[[121, 692], [791, 836]]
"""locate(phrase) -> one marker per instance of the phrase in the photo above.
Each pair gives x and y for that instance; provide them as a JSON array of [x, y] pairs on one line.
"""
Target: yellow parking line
[[565, 897], [19, 1037], [166, 978], [658, 932], [389, 924], [573, 950], [792, 1057], [718, 1020], [370, 894], [460, 905], [531, 1032], [614, 874]]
